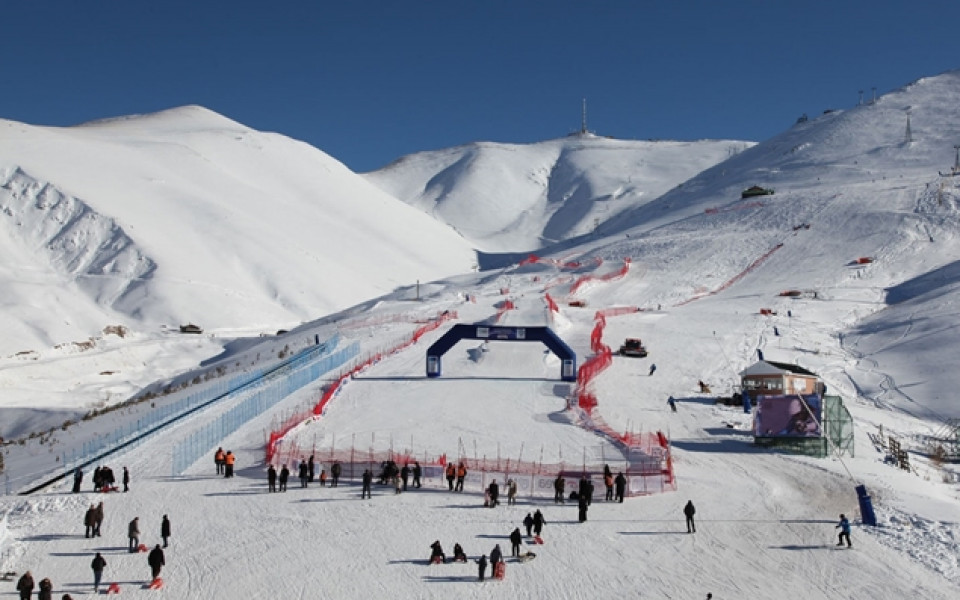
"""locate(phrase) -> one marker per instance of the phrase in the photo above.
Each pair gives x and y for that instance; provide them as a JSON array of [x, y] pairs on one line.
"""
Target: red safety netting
[[736, 277], [608, 277]]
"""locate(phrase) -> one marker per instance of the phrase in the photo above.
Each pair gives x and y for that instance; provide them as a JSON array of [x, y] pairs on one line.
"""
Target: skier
[[621, 484], [271, 479], [25, 586], [652, 369], [436, 551], [844, 527], [126, 480], [515, 540], [367, 480], [77, 480], [416, 474], [558, 486], [284, 475], [156, 561], [133, 533], [528, 523], [689, 511], [483, 565], [671, 402], [98, 564], [165, 530], [538, 522]]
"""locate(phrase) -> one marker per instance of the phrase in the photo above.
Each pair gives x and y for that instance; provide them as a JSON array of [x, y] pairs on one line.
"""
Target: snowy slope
[[512, 197]]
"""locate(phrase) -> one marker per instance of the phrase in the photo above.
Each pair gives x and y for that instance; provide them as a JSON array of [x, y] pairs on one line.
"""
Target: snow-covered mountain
[[516, 198], [186, 216]]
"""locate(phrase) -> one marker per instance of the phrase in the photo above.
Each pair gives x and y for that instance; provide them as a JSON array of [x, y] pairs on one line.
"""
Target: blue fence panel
[[133, 433], [266, 394]]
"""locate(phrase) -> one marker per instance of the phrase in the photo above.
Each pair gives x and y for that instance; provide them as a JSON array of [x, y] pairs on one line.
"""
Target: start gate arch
[[465, 331]]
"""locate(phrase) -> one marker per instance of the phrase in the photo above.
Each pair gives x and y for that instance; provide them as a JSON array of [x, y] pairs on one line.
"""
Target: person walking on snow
[[165, 530], [511, 492], [461, 476], [133, 533], [558, 487], [98, 564], [77, 479], [528, 523], [97, 520], [494, 493], [405, 475], [516, 538], [670, 401], [282, 478], [538, 522], [844, 527], [46, 589], [126, 480], [218, 459], [89, 520], [652, 369], [688, 512], [156, 561], [303, 473], [483, 565]]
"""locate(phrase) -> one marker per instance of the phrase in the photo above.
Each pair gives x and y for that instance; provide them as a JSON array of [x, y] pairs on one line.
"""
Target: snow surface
[[703, 263]]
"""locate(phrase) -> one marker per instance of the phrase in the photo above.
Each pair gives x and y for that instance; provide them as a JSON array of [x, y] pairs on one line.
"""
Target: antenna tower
[[860, 103], [583, 119]]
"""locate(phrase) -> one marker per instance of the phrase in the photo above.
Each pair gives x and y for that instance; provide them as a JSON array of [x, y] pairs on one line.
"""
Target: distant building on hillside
[[769, 378]]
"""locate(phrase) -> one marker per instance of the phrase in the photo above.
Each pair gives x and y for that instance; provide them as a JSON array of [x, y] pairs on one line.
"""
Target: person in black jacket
[[436, 551], [271, 479], [304, 474], [494, 493], [335, 471], [284, 475], [621, 484], [538, 522], [516, 538], [98, 564], [558, 488], [46, 589], [688, 512], [97, 520], [483, 565], [90, 521], [77, 479], [405, 475], [165, 530], [458, 553], [25, 586], [582, 506], [126, 480], [156, 561], [416, 474], [528, 523], [367, 482]]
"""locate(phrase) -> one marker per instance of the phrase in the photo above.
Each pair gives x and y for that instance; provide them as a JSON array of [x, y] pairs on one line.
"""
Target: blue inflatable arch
[[462, 331]]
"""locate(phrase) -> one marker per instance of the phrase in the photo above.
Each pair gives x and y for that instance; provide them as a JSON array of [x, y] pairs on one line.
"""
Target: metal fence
[[132, 433], [262, 395]]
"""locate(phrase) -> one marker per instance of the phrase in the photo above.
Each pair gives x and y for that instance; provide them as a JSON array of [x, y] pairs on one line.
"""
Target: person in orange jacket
[[451, 475], [229, 458], [461, 475], [218, 458]]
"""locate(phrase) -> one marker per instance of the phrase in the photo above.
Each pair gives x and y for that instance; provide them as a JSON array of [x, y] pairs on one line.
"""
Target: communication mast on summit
[[583, 119]]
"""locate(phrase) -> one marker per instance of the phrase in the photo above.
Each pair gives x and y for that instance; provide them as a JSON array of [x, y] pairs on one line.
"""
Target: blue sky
[[370, 81]]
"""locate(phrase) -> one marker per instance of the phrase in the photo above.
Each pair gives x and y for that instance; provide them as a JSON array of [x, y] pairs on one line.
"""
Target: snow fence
[[260, 395]]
